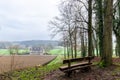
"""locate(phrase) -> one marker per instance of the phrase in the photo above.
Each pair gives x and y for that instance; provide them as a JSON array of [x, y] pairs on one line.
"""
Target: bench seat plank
[[74, 65], [76, 68]]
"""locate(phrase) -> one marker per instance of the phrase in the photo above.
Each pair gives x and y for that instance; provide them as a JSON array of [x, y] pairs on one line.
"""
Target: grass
[[57, 51], [6, 51]]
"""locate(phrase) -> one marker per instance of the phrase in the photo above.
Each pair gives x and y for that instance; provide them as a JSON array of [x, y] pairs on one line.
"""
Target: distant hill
[[30, 43], [4, 44], [38, 42]]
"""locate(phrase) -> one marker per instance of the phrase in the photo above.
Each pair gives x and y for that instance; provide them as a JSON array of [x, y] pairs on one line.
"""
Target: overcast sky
[[26, 19]]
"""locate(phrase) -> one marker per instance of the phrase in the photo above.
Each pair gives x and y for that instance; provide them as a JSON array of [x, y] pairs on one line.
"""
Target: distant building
[[36, 51]]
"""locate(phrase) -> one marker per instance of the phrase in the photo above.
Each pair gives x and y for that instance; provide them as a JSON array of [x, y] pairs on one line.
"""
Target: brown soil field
[[23, 61]]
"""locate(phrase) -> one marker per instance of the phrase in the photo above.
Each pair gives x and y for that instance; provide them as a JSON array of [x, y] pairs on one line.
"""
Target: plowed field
[[24, 61]]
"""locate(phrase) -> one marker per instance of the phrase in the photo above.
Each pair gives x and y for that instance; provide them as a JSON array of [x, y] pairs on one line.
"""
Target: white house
[[36, 51]]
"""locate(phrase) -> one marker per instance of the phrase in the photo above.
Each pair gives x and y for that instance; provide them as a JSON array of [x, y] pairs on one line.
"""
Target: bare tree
[[13, 50]]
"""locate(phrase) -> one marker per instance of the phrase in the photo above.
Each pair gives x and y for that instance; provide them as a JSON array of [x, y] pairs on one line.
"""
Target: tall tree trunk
[[71, 42], [90, 28], [116, 28], [118, 45], [118, 36], [64, 49], [71, 47], [96, 45], [107, 33], [83, 49], [75, 42], [100, 23], [68, 51]]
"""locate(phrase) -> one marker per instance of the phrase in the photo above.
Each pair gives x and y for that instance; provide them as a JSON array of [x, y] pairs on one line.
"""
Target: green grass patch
[[6, 51], [57, 51]]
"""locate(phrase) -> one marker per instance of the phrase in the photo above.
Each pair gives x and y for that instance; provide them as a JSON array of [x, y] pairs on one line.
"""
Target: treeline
[[29, 43], [89, 25]]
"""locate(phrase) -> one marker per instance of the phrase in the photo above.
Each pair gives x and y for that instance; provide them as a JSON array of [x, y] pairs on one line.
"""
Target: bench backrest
[[78, 59]]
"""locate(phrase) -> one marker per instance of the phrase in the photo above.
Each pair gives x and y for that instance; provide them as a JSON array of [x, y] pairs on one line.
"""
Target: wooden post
[[69, 64]]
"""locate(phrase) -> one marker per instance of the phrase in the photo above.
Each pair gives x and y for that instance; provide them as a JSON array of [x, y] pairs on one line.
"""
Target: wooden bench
[[73, 65]]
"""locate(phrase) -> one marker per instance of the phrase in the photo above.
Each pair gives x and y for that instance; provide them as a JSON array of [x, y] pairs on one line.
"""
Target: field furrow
[[8, 63]]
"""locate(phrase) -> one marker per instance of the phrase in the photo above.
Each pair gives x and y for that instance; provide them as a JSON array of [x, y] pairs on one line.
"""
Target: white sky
[[26, 19]]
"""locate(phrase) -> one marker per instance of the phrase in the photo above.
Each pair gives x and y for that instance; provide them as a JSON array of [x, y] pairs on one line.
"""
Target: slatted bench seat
[[72, 64]]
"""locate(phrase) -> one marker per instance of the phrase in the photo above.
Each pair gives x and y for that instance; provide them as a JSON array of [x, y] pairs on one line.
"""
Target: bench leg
[[88, 68], [69, 73]]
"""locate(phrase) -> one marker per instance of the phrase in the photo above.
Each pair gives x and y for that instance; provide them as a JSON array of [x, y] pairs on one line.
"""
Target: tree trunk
[[71, 47], [83, 49], [95, 44], [116, 28], [71, 42], [90, 28], [118, 45], [68, 51], [64, 49], [107, 33], [100, 23], [75, 42]]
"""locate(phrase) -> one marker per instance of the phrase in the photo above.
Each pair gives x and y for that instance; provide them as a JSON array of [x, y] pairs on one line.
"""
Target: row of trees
[[89, 25]]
